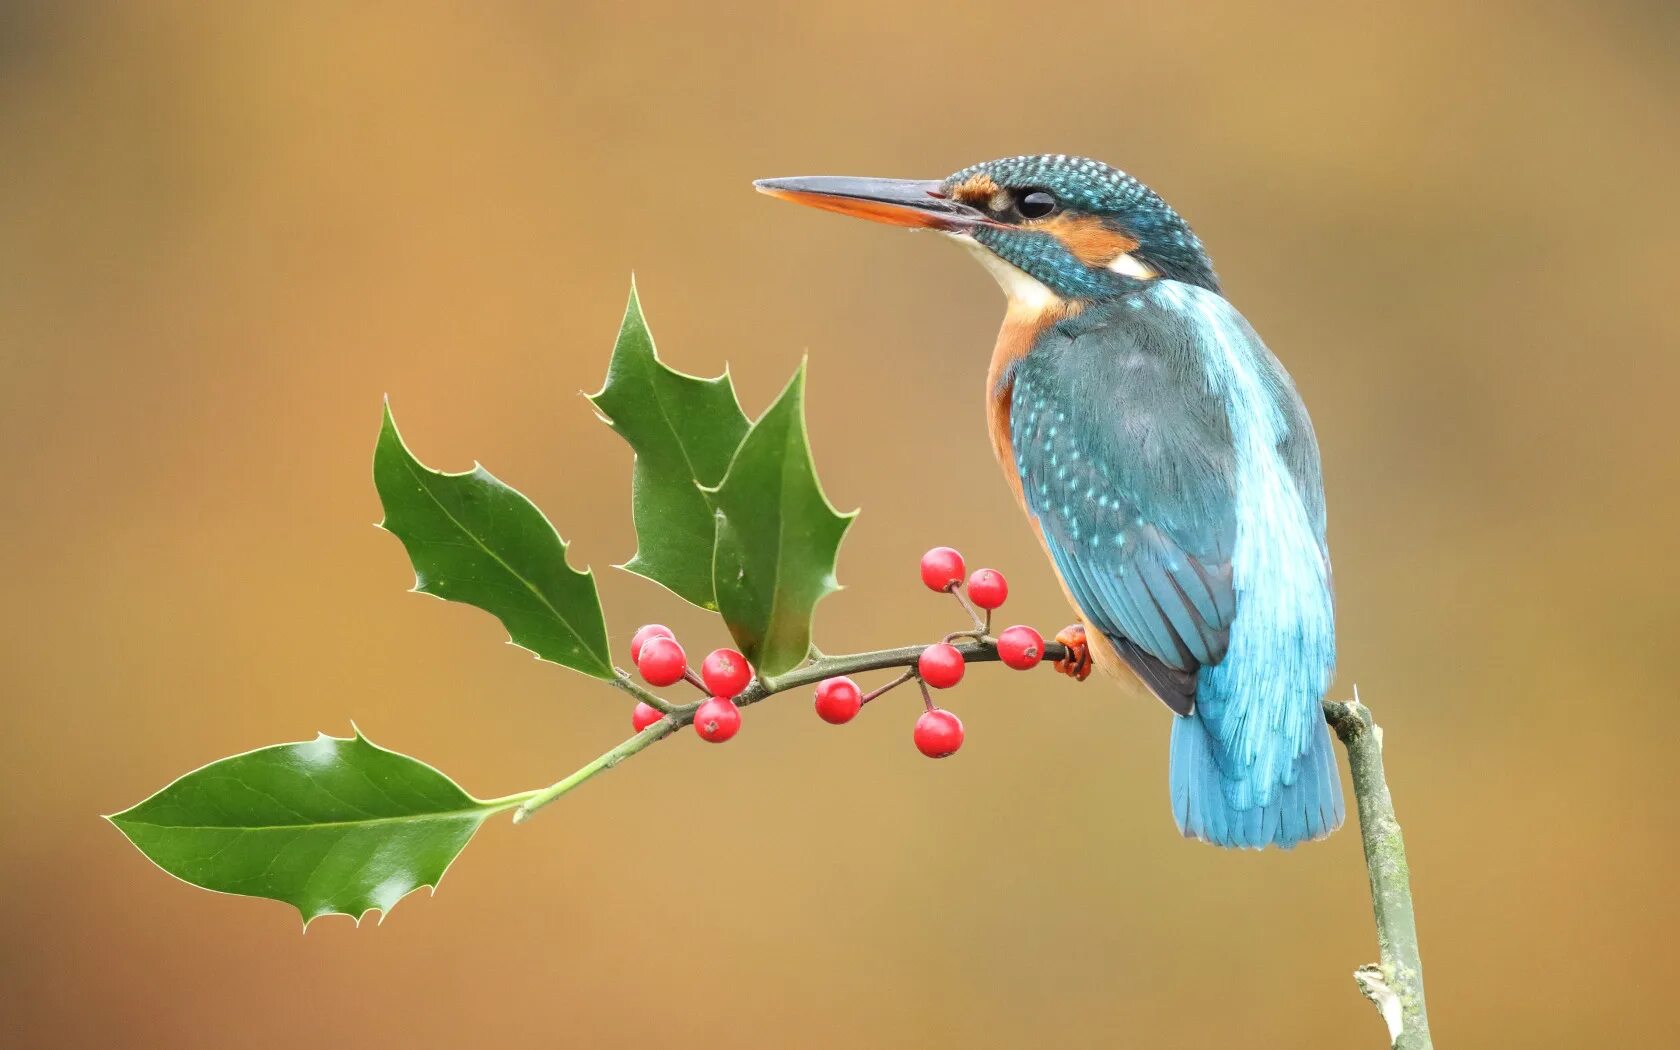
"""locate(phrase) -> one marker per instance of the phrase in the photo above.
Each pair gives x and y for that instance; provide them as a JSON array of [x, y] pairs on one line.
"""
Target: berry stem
[[894, 684], [693, 679], [980, 622], [927, 697]]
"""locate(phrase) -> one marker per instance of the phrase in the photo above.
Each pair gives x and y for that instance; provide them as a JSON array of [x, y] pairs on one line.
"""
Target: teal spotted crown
[[1084, 186]]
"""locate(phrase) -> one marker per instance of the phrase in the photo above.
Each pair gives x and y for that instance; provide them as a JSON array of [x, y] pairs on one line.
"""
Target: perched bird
[[1168, 466]]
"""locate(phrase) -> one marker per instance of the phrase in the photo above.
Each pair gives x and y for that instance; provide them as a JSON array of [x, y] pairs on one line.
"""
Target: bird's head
[[1051, 228]]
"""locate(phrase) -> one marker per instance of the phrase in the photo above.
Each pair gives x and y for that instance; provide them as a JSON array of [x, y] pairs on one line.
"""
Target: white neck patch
[[1028, 296], [1132, 266]]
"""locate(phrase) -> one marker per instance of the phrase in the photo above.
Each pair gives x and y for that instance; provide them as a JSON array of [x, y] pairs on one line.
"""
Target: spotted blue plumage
[[1174, 473]]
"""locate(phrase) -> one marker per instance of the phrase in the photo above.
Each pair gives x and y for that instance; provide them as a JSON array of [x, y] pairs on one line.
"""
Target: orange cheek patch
[[976, 190], [1090, 241]]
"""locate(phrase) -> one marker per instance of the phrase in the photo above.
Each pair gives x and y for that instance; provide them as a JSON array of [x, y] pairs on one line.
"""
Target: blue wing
[[1173, 472], [1127, 462]]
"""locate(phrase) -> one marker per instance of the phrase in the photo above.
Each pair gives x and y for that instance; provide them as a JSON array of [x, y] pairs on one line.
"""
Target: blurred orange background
[[226, 230]]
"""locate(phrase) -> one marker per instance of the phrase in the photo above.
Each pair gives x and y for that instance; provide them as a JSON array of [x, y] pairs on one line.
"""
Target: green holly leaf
[[777, 537], [473, 539], [330, 826], [684, 430]]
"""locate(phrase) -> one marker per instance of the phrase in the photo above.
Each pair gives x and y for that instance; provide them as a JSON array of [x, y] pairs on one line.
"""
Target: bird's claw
[[1077, 663]]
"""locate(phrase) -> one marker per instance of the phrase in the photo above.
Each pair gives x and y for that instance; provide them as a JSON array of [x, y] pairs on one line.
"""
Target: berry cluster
[[1019, 647], [939, 732], [725, 674], [941, 666]]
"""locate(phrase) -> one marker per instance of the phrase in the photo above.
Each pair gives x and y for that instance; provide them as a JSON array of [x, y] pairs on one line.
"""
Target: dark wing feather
[[1126, 461]]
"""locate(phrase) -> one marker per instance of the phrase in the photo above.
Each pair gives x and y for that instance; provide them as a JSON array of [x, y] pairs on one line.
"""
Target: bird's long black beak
[[900, 202]]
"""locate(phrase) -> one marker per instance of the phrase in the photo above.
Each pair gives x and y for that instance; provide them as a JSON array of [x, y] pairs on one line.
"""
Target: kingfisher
[[1167, 465]]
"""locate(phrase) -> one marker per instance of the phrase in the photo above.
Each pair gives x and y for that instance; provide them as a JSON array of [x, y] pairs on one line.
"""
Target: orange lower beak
[[897, 202]]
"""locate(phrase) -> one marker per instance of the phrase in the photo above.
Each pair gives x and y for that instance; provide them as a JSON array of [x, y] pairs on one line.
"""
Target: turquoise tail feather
[[1308, 805]]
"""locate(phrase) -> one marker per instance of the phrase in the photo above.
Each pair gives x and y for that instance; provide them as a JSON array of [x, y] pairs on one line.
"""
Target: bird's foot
[[1077, 663]]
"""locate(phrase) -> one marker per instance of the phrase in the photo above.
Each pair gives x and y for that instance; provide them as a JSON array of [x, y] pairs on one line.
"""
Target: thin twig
[[624, 682], [651, 735]]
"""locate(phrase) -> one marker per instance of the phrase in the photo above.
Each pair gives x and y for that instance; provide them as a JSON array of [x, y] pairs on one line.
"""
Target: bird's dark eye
[[1035, 204]]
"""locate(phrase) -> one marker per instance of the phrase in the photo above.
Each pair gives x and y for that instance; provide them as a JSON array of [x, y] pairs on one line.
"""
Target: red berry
[[1020, 647], [838, 700], [662, 661], [938, 733], [987, 588], [640, 638], [941, 665], [942, 569], [725, 672], [644, 715], [717, 720]]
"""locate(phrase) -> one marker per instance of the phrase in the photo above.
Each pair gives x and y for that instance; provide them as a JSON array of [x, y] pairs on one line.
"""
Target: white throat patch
[[1028, 296]]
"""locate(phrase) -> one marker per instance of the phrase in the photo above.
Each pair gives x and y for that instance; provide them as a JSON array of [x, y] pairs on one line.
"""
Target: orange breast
[[1015, 338]]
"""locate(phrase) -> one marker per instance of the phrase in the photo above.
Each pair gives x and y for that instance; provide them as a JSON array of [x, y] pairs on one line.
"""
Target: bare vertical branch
[[1395, 983]]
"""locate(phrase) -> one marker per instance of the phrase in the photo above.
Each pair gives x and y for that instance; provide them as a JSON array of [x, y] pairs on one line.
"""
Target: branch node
[[1374, 986]]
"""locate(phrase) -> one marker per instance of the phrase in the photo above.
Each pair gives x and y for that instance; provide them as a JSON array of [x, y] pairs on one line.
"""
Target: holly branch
[[730, 517], [837, 703]]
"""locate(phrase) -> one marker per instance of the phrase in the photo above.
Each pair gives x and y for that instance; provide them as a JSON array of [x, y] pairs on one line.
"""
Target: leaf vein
[[411, 464]]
